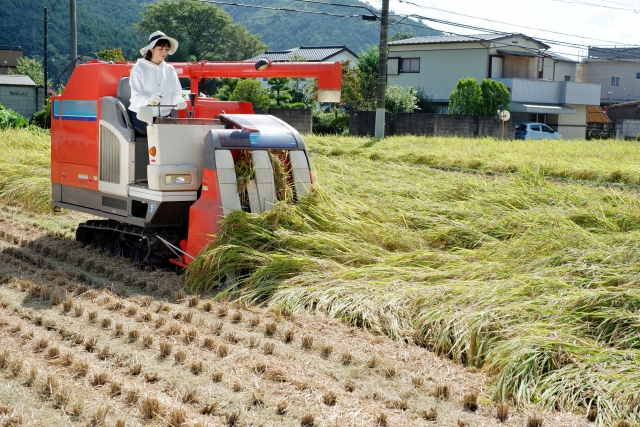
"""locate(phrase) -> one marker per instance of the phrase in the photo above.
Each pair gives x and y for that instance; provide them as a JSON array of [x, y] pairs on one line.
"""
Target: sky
[[582, 22]]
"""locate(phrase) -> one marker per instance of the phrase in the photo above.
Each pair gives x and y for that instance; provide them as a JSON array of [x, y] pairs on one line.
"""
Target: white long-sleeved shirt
[[148, 78]]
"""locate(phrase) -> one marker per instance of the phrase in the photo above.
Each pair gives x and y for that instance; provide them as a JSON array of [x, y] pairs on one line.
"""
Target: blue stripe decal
[[85, 111]]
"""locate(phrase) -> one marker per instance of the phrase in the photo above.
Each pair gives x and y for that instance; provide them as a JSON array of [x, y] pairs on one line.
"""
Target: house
[[309, 54], [20, 94], [616, 70], [9, 56], [543, 85]]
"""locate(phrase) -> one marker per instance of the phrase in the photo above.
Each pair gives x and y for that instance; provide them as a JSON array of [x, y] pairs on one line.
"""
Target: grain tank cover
[[244, 131]]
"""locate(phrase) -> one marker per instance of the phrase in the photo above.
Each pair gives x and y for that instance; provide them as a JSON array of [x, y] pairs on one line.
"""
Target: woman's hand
[[155, 99]]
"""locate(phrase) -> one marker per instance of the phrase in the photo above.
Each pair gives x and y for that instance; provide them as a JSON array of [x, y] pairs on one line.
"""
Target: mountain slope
[[108, 24]]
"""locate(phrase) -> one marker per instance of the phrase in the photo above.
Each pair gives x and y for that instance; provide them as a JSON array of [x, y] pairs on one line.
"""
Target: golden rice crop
[[530, 278], [25, 168]]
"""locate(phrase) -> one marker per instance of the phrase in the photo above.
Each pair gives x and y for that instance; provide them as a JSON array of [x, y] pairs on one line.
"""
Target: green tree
[[400, 99], [113, 55], [495, 96], [351, 96], [368, 61], [227, 88], [203, 30], [32, 68], [401, 35], [251, 90], [466, 97], [279, 88], [425, 102], [367, 74]]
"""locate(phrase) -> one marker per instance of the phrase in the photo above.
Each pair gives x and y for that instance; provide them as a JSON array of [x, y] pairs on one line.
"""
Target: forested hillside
[[107, 24], [283, 29]]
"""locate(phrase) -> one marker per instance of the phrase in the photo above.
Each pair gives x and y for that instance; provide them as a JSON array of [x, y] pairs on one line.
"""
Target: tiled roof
[[310, 53], [559, 57], [16, 80], [596, 115], [449, 39], [463, 39]]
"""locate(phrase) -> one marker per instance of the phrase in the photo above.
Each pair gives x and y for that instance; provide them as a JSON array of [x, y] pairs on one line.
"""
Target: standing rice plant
[[425, 254]]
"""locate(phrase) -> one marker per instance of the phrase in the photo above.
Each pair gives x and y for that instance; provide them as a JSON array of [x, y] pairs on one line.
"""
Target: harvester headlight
[[177, 179], [153, 151], [262, 64]]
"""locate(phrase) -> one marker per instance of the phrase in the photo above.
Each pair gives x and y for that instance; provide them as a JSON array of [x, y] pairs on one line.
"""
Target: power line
[[18, 36], [281, 9], [505, 23], [405, 16], [337, 4], [585, 3]]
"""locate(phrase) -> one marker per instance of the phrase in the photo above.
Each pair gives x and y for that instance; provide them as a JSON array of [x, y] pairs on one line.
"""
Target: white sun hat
[[153, 39]]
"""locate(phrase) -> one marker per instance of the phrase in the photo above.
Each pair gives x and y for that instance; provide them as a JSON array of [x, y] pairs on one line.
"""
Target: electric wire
[[279, 8], [13, 45], [506, 23], [419, 18]]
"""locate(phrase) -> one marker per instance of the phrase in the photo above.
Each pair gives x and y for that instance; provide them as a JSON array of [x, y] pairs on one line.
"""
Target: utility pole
[[74, 31], [382, 71], [45, 52]]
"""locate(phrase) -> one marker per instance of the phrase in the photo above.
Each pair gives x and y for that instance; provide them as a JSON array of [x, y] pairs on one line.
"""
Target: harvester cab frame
[[164, 193]]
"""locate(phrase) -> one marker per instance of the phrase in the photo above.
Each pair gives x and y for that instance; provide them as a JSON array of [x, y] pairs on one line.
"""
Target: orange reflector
[[152, 151]]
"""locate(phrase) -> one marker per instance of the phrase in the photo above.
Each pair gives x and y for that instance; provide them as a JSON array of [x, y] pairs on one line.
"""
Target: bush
[[330, 123], [400, 99], [11, 119], [41, 119], [250, 90]]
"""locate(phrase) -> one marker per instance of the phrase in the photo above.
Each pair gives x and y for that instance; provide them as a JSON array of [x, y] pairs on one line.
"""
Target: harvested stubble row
[[289, 374]]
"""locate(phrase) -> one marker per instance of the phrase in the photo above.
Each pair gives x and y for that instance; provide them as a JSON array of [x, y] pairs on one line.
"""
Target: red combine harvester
[[165, 193]]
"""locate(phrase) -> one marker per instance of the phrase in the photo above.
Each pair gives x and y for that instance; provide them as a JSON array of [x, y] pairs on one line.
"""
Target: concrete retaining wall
[[627, 129], [491, 126], [299, 119], [362, 123]]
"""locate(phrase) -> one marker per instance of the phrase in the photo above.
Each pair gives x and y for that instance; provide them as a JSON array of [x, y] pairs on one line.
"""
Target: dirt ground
[[90, 339]]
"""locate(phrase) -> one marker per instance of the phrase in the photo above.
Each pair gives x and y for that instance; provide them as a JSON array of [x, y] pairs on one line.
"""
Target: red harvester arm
[[329, 74]]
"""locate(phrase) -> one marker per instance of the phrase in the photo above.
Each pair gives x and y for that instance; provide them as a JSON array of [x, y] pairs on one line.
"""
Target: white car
[[533, 130]]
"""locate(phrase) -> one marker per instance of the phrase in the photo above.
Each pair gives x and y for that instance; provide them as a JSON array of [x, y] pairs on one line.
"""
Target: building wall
[[627, 129], [21, 99], [572, 126], [440, 69], [600, 72], [557, 70]]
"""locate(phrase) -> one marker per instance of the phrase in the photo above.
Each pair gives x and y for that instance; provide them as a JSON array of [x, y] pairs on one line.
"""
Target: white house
[[542, 84], [617, 71]]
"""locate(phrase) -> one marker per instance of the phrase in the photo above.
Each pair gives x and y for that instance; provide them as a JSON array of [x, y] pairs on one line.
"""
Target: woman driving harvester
[[153, 81]]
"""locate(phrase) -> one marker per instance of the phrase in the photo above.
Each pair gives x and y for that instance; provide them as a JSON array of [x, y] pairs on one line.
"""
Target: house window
[[615, 81], [410, 65], [567, 78], [637, 76]]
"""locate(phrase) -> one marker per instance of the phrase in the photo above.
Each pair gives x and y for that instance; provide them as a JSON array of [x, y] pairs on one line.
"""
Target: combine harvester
[[165, 193]]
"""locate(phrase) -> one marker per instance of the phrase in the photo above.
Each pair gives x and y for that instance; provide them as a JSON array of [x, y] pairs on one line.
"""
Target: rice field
[[531, 278], [514, 258]]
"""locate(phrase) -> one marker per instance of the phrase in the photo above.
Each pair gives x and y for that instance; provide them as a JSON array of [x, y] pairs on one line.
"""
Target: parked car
[[533, 130]]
